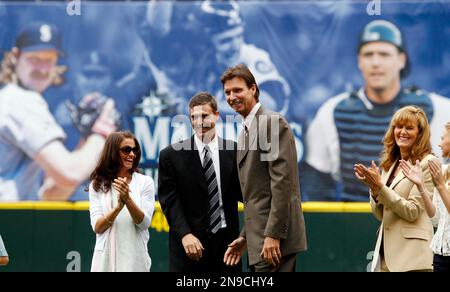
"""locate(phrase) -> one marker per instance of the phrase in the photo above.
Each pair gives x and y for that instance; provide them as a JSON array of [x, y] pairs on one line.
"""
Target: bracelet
[[124, 202], [109, 221]]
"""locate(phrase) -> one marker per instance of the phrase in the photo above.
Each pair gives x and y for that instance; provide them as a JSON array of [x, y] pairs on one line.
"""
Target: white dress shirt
[[214, 147], [251, 116]]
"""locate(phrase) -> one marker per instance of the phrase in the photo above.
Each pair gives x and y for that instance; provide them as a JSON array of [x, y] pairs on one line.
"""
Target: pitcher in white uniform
[[35, 163]]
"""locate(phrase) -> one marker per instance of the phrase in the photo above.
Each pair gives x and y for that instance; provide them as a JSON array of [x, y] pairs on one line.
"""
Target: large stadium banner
[[152, 57]]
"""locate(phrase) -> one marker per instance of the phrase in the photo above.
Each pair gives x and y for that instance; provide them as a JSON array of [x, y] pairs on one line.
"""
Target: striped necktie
[[213, 191]]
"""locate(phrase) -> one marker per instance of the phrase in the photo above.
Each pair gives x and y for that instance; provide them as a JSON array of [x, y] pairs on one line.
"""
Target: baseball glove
[[88, 111]]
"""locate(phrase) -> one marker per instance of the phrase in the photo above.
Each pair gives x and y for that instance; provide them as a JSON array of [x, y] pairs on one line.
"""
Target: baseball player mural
[[35, 163], [225, 26], [350, 127], [216, 29], [202, 40], [153, 56]]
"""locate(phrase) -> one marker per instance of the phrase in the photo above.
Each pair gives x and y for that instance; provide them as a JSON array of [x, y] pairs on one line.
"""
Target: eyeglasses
[[128, 149]]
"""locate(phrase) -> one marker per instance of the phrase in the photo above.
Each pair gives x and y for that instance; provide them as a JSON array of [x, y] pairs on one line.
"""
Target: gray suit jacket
[[268, 174]]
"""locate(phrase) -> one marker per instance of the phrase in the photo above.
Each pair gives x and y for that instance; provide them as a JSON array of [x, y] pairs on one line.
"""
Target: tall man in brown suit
[[268, 172]]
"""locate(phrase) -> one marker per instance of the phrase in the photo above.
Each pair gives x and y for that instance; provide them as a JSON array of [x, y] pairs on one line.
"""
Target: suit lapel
[[385, 175], [249, 143], [253, 132], [397, 179], [226, 165], [400, 176], [241, 150], [195, 164]]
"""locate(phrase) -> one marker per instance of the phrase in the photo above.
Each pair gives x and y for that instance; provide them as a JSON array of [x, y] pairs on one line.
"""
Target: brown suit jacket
[[268, 175], [406, 231]]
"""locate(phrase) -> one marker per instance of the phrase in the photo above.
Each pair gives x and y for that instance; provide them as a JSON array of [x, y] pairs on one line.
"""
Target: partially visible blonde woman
[[406, 231], [438, 208]]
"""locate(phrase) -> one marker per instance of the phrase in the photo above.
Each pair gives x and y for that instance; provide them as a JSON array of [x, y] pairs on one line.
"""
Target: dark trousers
[[441, 263], [287, 265]]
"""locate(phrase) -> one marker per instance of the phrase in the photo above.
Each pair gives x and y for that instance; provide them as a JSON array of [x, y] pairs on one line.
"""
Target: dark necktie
[[213, 191]]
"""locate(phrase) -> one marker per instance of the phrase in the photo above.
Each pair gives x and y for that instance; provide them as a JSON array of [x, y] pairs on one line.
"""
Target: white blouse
[[441, 240], [123, 246]]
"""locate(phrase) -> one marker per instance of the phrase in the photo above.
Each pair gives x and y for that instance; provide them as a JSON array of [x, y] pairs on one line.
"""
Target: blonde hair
[[8, 70], [422, 145]]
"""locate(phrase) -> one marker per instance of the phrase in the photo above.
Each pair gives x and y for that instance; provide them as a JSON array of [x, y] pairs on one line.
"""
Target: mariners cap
[[39, 36], [385, 31], [382, 31]]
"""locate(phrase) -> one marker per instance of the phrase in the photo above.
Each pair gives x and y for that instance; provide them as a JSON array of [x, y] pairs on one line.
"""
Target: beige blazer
[[406, 230], [270, 186]]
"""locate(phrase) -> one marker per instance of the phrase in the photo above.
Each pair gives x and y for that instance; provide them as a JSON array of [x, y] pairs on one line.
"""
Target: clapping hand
[[436, 173], [370, 176], [121, 186], [412, 172]]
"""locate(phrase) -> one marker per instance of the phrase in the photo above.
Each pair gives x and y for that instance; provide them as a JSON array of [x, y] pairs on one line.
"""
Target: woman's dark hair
[[109, 164]]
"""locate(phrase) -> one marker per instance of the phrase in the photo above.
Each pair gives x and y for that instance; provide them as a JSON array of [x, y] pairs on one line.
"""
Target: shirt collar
[[213, 145], [249, 119]]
